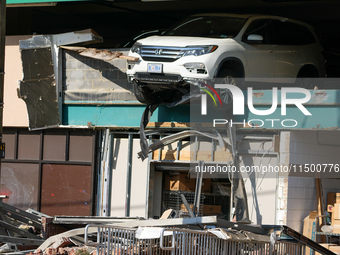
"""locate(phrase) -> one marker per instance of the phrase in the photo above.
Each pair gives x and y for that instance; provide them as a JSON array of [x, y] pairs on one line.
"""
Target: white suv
[[256, 48]]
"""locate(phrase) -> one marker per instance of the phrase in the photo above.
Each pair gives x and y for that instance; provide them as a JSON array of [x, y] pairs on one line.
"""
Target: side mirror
[[254, 39]]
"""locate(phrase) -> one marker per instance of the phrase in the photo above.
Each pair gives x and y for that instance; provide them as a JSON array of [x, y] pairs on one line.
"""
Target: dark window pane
[[20, 183], [9, 140], [258, 27], [208, 26], [66, 190], [80, 148], [28, 146], [288, 33], [54, 147]]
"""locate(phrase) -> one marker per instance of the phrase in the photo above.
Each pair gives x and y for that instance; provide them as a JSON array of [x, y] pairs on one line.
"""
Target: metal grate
[[172, 200], [213, 199], [187, 242], [158, 77], [161, 53], [118, 241]]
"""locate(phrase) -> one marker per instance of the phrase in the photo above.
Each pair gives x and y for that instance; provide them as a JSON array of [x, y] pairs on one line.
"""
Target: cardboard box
[[336, 218], [309, 229], [336, 212], [180, 182], [211, 209], [332, 198], [206, 186], [336, 226], [207, 209]]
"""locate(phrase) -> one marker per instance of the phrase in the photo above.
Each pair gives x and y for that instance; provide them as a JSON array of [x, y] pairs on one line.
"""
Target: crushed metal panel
[[38, 87], [81, 36], [41, 86], [41, 101], [37, 63]]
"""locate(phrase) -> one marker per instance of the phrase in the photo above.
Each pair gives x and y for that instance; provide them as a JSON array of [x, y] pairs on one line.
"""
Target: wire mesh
[[172, 200], [120, 241]]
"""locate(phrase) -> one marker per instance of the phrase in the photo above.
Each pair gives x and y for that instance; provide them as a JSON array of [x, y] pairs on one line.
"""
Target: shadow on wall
[[254, 180], [87, 79]]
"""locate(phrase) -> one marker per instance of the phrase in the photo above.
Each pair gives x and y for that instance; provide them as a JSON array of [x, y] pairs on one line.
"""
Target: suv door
[[288, 38], [260, 56]]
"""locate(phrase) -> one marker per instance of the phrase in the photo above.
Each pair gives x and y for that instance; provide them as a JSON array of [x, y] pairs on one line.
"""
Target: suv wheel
[[228, 77], [307, 79], [143, 94]]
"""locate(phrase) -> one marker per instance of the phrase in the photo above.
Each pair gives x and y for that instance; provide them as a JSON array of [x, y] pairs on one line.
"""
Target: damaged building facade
[[84, 161]]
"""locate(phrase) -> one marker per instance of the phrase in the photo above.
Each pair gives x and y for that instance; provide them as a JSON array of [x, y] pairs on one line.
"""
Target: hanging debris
[[105, 55]]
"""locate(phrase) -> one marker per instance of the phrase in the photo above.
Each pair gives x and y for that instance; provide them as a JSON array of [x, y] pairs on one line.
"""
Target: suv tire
[[228, 77], [307, 79], [143, 94]]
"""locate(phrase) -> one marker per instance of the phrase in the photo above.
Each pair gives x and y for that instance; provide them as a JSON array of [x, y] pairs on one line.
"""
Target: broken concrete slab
[[106, 55]]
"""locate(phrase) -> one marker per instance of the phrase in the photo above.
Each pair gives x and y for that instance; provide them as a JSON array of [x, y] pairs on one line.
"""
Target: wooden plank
[[129, 58], [320, 206], [276, 143], [168, 125], [73, 48], [106, 55]]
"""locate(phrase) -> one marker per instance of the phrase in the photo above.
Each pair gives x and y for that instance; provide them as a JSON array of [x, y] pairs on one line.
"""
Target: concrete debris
[[64, 251], [62, 242], [105, 55], [8, 247]]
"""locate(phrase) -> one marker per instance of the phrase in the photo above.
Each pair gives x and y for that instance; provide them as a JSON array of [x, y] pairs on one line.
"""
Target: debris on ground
[[65, 251]]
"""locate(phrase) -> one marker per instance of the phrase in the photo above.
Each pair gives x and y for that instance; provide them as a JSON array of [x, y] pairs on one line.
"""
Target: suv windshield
[[215, 27]]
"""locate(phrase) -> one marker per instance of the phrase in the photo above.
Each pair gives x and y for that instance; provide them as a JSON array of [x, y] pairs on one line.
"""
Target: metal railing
[[118, 241]]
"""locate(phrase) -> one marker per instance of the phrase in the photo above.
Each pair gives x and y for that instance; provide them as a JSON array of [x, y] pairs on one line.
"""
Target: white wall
[[138, 180], [261, 187], [15, 113], [261, 200], [308, 147]]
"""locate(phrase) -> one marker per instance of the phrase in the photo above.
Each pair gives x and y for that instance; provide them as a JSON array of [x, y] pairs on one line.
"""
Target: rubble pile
[[64, 246], [63, 251]]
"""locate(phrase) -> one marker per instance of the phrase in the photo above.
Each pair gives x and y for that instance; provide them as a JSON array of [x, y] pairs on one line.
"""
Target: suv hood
[[181, 41]]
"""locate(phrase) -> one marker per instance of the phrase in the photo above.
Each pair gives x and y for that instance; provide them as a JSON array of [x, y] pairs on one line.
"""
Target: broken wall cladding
[[87, 79]]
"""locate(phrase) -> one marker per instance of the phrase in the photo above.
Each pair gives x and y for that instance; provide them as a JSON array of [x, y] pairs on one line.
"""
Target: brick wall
[[87, 80], [49, 229]]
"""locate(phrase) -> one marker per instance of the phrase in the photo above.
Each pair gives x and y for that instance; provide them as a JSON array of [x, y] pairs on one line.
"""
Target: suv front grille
[[161, 53], [158, 77]]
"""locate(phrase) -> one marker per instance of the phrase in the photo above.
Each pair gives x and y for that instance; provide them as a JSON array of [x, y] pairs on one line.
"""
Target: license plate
[[155, 68]]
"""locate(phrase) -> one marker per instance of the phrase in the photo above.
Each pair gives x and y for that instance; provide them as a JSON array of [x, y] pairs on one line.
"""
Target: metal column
[[128, 176]]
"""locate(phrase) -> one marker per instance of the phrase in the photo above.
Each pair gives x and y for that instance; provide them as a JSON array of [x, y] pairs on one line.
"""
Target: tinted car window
[[258, 27], [214, 27], [288, 33]]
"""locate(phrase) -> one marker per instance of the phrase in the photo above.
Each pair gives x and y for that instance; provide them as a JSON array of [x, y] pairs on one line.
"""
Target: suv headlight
[[198, 50], [136, 48]]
